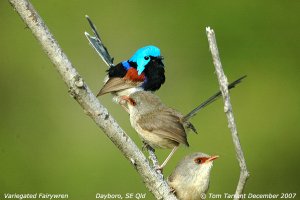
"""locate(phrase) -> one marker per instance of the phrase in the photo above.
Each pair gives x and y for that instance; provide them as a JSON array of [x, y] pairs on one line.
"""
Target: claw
[[159, 168], [172, 190]]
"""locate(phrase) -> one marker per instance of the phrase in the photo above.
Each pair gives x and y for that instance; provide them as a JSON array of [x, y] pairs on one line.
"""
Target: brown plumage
[[117, 84], [158, 125], [164, 124]]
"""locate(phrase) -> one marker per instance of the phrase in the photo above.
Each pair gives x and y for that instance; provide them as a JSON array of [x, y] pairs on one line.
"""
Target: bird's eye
[[198, 160], [146, 57], [132, 102]]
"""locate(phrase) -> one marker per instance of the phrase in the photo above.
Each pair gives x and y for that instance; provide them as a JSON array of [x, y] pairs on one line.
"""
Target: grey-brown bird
[[159, 125], [190, 178]]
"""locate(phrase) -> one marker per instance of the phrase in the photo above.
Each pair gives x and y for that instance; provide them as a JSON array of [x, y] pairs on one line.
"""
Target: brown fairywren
[[159, 125]]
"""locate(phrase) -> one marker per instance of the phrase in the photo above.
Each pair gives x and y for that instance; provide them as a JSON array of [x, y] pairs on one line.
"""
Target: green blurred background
[[48, 144]]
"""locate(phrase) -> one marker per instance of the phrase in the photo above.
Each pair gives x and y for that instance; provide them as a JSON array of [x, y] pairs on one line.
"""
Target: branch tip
[[222, 79]]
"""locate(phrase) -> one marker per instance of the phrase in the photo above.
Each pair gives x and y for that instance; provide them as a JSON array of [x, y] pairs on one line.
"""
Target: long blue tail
[[97, 44]]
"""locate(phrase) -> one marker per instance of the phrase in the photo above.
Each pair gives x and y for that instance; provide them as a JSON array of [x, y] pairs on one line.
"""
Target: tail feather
[[211, 99], [97, 44]]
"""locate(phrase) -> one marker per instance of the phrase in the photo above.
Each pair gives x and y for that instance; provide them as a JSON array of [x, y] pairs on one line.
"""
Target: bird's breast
[[188, 190], [132, 75]]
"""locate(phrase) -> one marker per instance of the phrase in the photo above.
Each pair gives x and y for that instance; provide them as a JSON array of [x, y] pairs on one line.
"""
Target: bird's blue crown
[[141, 57]]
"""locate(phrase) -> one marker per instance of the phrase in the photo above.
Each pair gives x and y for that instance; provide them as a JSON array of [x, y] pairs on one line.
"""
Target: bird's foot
[[172, 190], [159, 169]]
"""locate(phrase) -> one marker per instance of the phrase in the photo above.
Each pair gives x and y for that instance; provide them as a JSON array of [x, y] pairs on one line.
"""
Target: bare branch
[[154, 159], [90, 104], [244, 174]]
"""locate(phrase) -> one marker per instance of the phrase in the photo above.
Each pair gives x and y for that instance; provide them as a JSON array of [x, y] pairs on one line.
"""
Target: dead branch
[[244, 174]]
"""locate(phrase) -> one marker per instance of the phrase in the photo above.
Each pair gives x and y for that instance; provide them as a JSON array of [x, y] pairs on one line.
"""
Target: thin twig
[[90, 104], [244, 174]]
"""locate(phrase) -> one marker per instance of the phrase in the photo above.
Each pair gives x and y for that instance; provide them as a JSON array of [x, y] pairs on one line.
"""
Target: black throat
[[155, 75]]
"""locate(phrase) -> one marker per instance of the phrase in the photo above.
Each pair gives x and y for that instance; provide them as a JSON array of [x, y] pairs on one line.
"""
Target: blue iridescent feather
[[126, 65], [141, 57]]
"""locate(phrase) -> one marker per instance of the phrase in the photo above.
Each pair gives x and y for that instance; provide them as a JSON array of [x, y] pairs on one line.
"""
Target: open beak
[[212, 158]]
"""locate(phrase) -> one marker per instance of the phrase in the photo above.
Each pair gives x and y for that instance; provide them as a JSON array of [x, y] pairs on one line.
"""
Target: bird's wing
[[116, 84], [165, 124], [96, 42]]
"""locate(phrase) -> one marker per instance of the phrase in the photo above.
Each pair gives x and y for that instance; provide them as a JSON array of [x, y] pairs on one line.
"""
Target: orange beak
[[212, 158]]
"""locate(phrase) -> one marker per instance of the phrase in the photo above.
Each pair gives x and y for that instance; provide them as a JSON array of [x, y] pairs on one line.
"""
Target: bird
[[190, 178], [160, 126], [143, 71]]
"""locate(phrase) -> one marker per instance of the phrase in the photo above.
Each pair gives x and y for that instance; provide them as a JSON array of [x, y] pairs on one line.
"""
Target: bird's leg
[[168, 158], [154, 160]]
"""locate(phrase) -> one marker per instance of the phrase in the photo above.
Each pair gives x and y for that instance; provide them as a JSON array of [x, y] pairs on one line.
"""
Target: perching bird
[[190, 178], [143, 71], [159, 125]]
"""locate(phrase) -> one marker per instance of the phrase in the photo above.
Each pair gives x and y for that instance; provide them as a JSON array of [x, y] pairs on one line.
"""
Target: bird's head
[[195, 169], [148, 55], [201, 164], [142, 102]]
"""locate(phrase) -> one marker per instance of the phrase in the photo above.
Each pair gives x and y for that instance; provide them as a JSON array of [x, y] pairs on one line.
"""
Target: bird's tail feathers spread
[[211, 99], [97, 44]]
